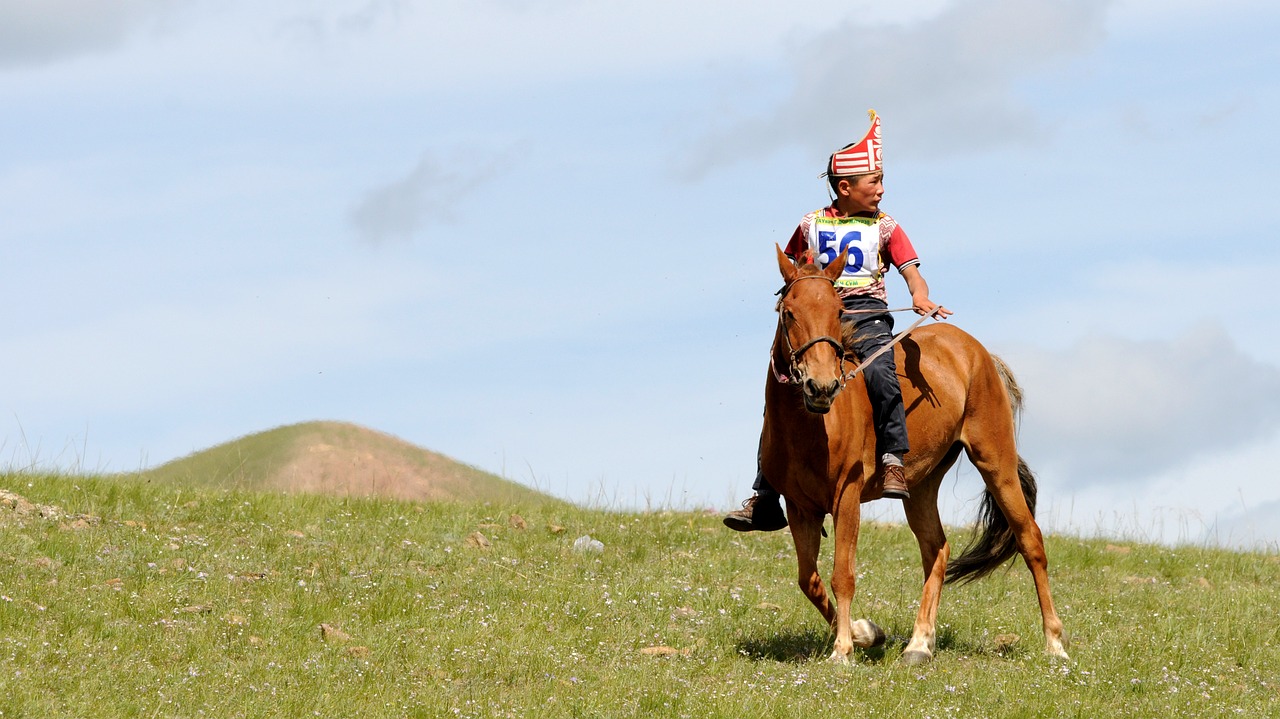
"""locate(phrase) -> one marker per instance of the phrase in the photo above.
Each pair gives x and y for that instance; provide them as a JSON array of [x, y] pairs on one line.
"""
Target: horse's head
[[809, 330]]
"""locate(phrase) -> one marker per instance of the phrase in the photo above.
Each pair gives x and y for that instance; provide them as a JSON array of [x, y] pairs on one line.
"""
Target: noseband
[[795, 353]]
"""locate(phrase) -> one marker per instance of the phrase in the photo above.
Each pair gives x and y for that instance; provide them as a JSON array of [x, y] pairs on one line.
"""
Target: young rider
[[874, 240]]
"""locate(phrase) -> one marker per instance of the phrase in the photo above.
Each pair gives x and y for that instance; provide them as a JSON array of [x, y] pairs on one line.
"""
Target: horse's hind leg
[[1005, 474], [922, 517]]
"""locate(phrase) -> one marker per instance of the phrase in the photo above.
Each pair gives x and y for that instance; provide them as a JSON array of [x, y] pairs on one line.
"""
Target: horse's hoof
[[915, 657], [838, 658], [1057, 649], [867, 634]]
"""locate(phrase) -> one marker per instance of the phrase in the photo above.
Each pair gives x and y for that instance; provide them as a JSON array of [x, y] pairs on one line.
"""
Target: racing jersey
[[873, 242]]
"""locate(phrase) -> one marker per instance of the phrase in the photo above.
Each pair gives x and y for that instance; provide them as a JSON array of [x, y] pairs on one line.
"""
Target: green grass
[[183, 602]]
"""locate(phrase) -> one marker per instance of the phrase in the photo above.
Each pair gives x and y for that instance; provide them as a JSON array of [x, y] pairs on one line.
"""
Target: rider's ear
[[785, 265], [834, 270]]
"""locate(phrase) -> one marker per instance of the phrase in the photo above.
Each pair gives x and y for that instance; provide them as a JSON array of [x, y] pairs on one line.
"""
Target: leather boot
[[761, 513], [895, 483]]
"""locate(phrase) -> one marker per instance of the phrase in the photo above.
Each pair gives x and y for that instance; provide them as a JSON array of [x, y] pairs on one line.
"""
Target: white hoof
[[1057, 649], [866, 634], [916, 657], [838, 658]]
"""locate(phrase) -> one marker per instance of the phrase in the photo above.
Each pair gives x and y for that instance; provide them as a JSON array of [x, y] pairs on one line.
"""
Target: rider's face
[[861, 193]]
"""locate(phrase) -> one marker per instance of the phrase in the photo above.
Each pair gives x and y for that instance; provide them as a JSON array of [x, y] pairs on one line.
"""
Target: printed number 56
[[829, 249]]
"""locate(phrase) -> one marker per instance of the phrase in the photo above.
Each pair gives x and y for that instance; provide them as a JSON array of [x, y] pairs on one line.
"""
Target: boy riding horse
[[853, 222]]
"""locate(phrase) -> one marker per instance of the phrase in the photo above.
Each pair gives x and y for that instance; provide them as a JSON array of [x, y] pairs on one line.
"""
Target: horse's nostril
[[821, 389]]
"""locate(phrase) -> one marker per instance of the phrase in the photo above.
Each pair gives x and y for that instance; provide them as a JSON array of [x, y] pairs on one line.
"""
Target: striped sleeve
[[799, 241], [897, 246]]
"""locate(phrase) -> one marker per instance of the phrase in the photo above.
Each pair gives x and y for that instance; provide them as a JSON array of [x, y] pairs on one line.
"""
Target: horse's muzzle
[[818, 396]]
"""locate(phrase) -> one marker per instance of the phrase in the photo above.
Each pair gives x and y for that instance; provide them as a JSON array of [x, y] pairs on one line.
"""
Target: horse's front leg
[[806, 532], [847, 516]]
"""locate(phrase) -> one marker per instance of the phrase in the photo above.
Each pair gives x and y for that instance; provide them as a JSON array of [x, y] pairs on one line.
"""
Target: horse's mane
[[806, 262]]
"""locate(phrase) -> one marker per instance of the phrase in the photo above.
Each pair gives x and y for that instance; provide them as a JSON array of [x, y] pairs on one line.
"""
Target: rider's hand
[[925, 306]]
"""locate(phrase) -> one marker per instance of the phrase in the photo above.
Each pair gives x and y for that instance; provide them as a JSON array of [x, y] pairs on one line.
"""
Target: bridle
[[795, 353]]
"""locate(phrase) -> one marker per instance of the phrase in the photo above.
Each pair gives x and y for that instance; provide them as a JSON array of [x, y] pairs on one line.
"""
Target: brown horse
[[819, 451]]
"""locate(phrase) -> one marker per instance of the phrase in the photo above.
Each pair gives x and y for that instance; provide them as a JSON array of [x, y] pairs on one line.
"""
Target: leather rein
[[793, 374]]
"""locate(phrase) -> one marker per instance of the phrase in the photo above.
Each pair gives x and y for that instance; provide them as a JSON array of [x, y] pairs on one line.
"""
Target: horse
[[818, 449]]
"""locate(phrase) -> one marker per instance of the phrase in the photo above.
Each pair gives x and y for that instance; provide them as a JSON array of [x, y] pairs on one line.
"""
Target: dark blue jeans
[[870, 333]]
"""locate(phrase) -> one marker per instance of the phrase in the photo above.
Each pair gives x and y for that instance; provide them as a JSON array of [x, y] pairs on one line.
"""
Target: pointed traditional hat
[[861, 157]]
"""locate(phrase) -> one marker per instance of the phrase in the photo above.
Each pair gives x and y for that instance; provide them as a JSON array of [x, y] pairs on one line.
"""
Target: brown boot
[[895, 483], [760, 513]]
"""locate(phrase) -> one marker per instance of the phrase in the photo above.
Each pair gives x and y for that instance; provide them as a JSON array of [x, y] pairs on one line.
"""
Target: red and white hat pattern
[[862, 156]]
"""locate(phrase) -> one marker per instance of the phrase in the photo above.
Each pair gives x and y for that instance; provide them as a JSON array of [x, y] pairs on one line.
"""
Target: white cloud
[[402, 209], [1256, 527], [944, 85], [34, 32], [1153, 299], [1225, 496], [1160, 17], [1117, 410]]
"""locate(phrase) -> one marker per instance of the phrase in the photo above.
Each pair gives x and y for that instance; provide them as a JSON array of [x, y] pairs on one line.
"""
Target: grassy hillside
[[125, 598], [341, 459]]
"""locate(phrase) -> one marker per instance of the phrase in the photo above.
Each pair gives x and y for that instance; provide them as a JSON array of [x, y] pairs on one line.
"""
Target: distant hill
[[338, 458]]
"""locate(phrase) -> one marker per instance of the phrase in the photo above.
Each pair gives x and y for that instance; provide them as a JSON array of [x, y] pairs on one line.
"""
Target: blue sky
[[537, 236]]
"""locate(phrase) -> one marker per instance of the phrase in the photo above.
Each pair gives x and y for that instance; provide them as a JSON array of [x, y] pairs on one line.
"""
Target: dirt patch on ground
[[15, 507]]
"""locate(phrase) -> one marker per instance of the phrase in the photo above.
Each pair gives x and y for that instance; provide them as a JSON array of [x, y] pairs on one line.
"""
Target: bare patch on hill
[[341, 459], [351, 460]]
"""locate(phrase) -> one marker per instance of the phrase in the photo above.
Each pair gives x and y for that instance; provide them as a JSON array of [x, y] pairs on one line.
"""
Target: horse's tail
[[1011, 386], [994, 543]]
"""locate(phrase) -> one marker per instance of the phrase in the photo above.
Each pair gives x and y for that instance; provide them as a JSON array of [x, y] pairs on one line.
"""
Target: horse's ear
[[786, 266], [835, 269]]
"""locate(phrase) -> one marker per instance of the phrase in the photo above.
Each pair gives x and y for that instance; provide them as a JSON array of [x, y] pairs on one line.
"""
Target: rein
[[795, 354], [896, 339]]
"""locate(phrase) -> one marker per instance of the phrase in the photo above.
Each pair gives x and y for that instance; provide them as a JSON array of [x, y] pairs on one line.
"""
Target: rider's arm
[[919, 289]]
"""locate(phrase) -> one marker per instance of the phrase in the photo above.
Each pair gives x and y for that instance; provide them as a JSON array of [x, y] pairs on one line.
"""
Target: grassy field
[[129, 599]]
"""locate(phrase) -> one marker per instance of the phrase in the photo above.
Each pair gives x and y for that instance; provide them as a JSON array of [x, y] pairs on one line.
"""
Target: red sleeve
[[798, 244], [899, 249]]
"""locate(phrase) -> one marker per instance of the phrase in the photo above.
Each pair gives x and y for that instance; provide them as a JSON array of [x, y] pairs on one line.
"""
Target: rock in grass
[[517, 522], [586, 545], [195, 609], [1005, 642], [664, 652], [330, 633], [476, 539]]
